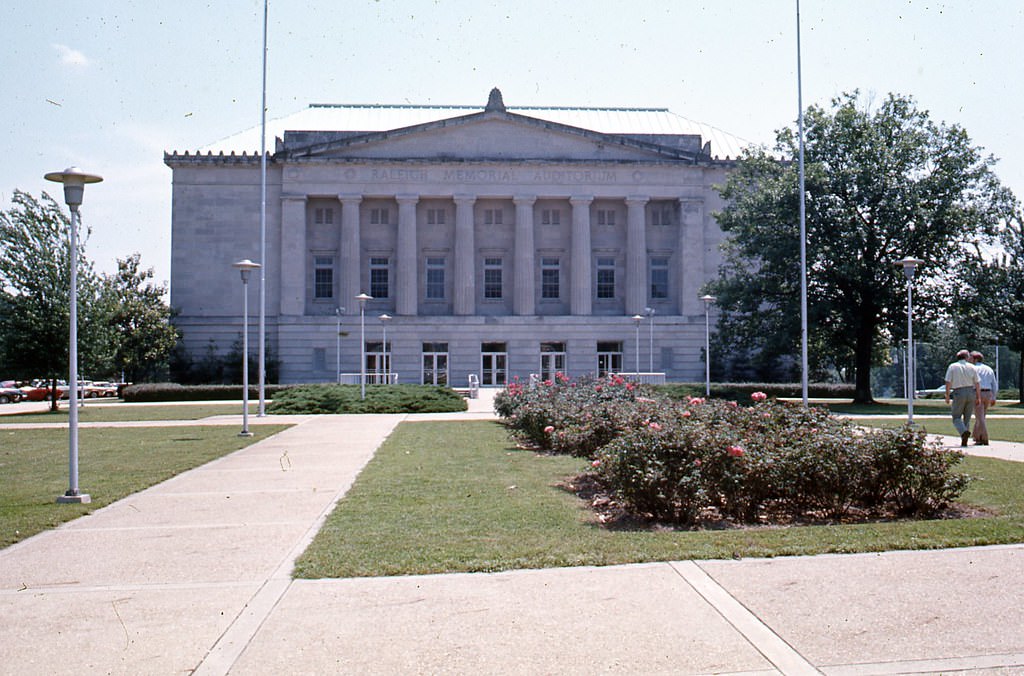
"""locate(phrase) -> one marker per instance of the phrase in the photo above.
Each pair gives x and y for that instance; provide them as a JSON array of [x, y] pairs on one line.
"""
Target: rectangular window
[[549, 278], [435, 217], [659, 278], [492, 278], [492, 216], [323, 216], [379, 277], [606, 217], [550, 217], [661, 215], [323, 277], [435, 278], [379, 216], [606, 278]]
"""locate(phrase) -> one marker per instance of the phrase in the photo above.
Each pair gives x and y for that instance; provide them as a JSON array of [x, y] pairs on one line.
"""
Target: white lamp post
[[362, 298], [384, 319], [636, 320], [74, 180], [337, 343], [909, 266], [708, 300], [245, 268], [649, 311]]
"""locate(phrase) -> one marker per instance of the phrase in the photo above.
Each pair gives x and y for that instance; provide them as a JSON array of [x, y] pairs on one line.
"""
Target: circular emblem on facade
[[637, 176], [350, 174]]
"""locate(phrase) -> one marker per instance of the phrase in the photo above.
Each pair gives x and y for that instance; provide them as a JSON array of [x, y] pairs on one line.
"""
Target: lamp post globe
[[74, 180]]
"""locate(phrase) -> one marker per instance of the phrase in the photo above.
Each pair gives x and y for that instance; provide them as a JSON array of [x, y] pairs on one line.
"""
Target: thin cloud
[[71, 57]]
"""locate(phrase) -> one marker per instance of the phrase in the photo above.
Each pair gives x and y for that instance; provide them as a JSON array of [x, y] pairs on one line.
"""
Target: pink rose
[[735, 451], [686, 414], [758, 396], [596, 463], [549, 429], [655, 426]]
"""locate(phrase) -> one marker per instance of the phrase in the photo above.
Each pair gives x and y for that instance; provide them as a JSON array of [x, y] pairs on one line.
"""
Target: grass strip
[[113, 463], [130, 412], [1007, 429], [458, 497]]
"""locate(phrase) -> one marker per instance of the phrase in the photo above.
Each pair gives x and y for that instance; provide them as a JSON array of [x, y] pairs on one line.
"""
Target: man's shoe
[[964, 437]]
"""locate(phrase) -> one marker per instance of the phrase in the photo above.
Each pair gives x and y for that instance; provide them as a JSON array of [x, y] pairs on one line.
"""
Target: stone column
[[523, 294], [406, 277], [636, 255], [350, 254], [464, 263], [293, 254], [690, 255], [579, 290]]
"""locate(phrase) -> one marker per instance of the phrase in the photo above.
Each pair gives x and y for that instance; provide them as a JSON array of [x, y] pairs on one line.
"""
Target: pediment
[[491, 135]]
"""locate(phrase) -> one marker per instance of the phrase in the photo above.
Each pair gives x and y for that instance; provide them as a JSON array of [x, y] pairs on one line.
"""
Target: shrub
[[673, 460], [329, 398], [154, 392]]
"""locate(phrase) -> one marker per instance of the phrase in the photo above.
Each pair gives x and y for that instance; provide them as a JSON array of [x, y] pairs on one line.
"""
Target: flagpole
[[803, 220], [263, 225]]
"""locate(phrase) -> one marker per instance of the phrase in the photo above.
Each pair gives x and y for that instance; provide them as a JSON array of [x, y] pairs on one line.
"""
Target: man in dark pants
[[962, 383]]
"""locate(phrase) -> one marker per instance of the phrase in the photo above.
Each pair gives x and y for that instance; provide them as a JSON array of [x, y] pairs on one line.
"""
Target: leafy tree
[[992, 309], [35, 280], [881, 185], [135, 321]]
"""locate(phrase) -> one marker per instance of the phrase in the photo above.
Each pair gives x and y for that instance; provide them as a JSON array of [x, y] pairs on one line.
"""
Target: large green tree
[[35, 280], [991, 298], [135, 319], [882, 182]]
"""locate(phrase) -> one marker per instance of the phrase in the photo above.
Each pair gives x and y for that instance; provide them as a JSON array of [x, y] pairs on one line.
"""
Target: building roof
[[383, 117]]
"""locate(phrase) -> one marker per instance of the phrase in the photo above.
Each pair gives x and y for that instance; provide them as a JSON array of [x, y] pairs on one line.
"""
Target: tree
[[881, 185], [35, 279], [135, 321], [993, 296]]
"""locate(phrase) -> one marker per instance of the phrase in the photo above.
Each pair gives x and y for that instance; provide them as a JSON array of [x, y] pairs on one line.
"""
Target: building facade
[[501, 242]]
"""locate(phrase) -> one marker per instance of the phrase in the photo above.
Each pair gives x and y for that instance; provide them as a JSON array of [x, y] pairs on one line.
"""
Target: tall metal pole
[[708, 300], [650, 313], [636, 320], [803, 220], [74, 180], [337, 344], [245, 268], [362, 298], [263, 225], [911, 384]]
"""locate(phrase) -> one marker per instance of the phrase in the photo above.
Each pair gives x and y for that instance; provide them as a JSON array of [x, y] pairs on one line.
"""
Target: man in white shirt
[[962, 383], [988, 388]]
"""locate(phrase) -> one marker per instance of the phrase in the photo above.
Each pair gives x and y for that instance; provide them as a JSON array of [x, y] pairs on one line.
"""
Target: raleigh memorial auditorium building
[[502, 242]]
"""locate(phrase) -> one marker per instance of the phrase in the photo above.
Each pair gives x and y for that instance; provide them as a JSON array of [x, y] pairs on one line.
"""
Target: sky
[[109, 86]]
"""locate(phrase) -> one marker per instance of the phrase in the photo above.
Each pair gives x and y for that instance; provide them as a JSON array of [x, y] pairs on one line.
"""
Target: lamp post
[[245, 268], [708, 300], [74, 180], [337, 343], [384, 319], [362, 298], [649, 311], [909, 266], [636, 320]]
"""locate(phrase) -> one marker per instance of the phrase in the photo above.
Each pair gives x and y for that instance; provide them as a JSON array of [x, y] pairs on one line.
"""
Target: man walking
[[988, 388], [962, 383]]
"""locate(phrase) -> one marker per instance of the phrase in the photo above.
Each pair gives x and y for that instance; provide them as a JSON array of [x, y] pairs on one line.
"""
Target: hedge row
[[153, 392], [742, 391]]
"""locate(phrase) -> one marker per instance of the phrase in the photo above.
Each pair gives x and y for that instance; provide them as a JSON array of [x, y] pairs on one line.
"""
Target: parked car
[[36, 390], [9, 394], [100, 389]]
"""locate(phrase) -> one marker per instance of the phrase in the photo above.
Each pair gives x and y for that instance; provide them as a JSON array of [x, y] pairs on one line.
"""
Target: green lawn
[[113, 463], [441, 497], [1006, 429], [128, 412], [922, 406]]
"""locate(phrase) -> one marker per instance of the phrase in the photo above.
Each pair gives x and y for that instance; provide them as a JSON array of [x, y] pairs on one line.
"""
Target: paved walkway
[[193, 574]]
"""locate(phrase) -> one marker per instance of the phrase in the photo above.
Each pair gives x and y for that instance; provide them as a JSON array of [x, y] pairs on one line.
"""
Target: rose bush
[[674, 460]]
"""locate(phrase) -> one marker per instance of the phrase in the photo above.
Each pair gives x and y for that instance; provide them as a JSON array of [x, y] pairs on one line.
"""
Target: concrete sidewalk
[[194, 574]]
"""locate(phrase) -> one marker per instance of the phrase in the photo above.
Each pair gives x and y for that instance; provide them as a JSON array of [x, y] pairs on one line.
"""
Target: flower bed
[[676, 461]]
